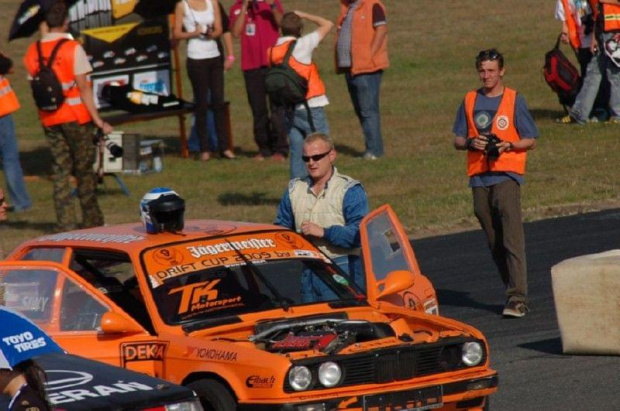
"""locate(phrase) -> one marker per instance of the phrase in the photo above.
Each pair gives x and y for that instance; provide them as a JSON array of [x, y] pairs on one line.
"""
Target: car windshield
[[210, 281]]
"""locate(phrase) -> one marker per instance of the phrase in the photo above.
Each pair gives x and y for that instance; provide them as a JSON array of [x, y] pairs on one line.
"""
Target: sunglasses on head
[[315, 157], [490, 54]]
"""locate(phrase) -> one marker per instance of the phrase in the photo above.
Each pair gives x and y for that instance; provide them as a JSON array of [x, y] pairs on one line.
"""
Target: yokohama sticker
[[211, 354], [502, 122]]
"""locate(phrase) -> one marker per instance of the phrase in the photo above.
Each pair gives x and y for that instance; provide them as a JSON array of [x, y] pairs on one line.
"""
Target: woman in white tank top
[[199, 21]]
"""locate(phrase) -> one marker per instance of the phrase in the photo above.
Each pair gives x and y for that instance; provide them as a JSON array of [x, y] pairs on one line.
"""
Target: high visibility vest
[[503, 126], [310, 72], [362, 33], [73, 108], [8, 99], [611, 17], [573, 32]]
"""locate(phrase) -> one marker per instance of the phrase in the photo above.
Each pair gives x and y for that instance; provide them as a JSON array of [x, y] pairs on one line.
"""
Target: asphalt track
[[527, 352]]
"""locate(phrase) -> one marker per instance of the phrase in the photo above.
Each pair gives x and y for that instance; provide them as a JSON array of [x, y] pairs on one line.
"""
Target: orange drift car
[[218, 307]]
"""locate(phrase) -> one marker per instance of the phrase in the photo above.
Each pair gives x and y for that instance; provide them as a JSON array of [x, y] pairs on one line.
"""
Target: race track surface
[[527, 352]]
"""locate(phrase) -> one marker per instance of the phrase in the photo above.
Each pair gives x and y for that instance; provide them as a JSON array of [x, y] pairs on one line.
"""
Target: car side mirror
[[115, 323], [395, 282]]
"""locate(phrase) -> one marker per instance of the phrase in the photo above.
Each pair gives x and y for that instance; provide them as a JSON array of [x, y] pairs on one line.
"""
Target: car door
[[71, 310], [386, 249]]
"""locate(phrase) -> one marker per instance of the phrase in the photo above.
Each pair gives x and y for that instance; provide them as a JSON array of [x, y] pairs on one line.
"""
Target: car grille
[[395, 364]]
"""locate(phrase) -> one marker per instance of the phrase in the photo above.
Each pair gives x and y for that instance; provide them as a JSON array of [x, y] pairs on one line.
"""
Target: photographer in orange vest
[[8, 142], [496, 129], [69, 129]]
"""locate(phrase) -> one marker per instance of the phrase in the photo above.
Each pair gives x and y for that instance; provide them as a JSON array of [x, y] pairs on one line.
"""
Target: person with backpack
[[306, 117], [577, 31], [496, 129], [9, 151], [58, 61], [606, 29]]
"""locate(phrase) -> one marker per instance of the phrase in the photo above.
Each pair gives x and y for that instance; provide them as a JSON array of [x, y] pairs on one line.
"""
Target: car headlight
[[300, 378], [329, 374], [472, 353]]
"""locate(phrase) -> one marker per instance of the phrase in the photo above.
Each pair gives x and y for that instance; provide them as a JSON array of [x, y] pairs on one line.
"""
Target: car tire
[[214, 396], [487, 407]]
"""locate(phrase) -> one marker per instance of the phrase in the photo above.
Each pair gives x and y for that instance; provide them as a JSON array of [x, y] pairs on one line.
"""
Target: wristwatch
[[273, 5]]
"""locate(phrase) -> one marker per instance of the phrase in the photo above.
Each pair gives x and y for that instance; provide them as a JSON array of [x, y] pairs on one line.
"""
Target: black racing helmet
[[161, 210]]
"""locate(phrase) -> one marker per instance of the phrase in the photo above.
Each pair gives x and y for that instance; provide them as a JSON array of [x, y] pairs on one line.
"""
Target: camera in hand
[[491, 150], [115, 150]]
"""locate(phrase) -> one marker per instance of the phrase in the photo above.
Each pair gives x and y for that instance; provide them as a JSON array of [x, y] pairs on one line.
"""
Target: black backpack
[[285, 87], [561, 75], [46, 88]]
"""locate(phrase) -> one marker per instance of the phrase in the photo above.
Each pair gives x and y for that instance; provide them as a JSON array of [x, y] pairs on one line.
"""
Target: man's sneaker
[[516, 309], [369, 156], [567, 119]]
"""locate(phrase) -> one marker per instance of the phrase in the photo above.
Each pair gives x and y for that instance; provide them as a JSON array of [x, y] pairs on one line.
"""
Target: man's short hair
[[291, 25], [490, 55], [320, 137], [56, 15]]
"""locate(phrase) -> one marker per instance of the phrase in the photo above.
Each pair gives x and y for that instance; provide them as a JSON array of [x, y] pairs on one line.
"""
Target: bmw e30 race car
[[218, 308]]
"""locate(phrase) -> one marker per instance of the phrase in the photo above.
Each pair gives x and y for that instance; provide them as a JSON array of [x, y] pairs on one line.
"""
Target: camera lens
[[114, 149]]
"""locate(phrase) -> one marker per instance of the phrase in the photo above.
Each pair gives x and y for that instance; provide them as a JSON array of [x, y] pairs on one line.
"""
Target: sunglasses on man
[[316, 157]]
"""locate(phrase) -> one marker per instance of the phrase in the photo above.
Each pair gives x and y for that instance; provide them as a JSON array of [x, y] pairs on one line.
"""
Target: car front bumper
[[462, 394]]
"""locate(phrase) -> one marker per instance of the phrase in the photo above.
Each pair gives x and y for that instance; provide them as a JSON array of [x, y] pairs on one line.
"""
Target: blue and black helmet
[[162, 209]]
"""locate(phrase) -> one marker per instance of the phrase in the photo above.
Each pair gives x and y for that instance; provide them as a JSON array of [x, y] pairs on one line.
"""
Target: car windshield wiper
[[283, 303], [348, 302]]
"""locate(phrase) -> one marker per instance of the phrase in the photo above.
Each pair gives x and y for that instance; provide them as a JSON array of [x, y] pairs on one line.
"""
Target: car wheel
[[213, 395]]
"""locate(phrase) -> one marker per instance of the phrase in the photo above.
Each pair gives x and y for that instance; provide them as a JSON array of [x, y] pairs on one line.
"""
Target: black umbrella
[[29, 15]]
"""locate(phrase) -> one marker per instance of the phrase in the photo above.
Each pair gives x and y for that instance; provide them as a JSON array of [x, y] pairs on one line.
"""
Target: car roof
[[133, 237]]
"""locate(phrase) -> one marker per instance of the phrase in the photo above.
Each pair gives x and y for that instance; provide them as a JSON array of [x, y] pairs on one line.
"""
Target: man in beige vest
[[327, 208]]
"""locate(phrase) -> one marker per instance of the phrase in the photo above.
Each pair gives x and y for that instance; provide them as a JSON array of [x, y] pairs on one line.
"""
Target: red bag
[[561, 75]]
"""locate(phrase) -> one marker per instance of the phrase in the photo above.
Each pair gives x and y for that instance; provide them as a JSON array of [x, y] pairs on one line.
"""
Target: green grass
[[431, 50]]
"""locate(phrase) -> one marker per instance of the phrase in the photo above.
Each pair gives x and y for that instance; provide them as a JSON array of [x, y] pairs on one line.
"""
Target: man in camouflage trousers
[[69, 129], [73, 152]]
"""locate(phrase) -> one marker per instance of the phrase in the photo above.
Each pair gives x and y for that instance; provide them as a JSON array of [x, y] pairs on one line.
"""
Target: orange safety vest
[[503, 126], [310, 72], [73, 109], [363, 32], [8, 99], [611, 17], [573, 33]]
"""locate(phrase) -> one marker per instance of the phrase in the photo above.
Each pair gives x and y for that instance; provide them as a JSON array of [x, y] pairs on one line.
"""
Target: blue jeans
[[193, 144], [10, 163], [364, 92], [598, 65], [298, 129]]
